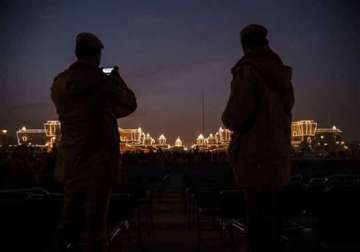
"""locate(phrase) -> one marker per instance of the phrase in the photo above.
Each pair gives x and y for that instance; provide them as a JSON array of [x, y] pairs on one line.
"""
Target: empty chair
[[233, 212]]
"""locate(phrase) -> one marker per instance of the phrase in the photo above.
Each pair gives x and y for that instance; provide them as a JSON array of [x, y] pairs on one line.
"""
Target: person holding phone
[[88, 103]]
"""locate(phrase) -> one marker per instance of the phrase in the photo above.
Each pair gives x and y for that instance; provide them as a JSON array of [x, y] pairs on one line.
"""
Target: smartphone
[[107, 70]]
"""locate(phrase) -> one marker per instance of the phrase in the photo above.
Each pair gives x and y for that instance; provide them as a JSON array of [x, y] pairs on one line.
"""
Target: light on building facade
[[301, 131], [200, 140], [211, 140], [162, 140], [218, 141], [149, 140], [52, 128], [178, 142], [200, 137]]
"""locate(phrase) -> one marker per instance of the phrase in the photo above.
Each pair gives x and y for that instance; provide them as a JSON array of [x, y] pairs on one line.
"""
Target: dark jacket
[[259, 114], [88, 103]]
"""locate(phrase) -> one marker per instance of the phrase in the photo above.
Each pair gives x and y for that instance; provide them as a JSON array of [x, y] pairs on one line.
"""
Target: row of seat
[[324, 207], [29, 216]]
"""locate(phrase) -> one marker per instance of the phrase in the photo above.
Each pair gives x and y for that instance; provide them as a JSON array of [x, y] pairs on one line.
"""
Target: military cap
[[254, 30], [88, 39]]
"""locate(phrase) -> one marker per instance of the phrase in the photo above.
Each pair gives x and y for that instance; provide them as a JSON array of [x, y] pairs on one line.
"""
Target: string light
[[137, 139]]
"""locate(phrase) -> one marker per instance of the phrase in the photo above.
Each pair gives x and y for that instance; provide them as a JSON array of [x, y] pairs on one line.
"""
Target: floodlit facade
[[302, 131], [132, 136], [329, 140], [211, 141], [162, 140], [218, 141], [32, 137], [46, 137], [52, 128], [223, 136], [149, 141], [136, 140], [178, 143], [306, 137], [200, 141], [133, 139]]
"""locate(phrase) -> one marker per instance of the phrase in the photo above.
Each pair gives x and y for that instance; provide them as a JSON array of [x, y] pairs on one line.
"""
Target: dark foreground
[[173, 216], [189, 203]]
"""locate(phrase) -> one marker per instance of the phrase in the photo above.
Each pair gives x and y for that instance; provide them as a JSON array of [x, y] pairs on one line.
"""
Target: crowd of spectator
[[24, 166]]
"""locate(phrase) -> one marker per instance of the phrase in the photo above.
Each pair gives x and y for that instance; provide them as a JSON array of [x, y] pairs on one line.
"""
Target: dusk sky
[[167, 51]]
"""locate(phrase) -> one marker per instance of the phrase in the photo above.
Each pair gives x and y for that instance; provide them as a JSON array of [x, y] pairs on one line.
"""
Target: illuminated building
[[52, 128], [178, 146], [224, 136], [200, 141], [132, 136], [162, 142], [302, 132], [219, 141], [306, 137], [211, 141], [138, 141], [329, 140], [45, 137], [131, 139], [178, 143], [32, 137], [149, 141], [53, 132]]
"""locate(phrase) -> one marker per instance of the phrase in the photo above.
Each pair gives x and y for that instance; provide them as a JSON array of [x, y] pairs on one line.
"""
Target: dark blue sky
[[168, 50]]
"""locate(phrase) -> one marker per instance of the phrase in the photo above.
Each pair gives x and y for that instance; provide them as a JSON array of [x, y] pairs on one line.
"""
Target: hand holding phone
[[107, 70], [110, 70]]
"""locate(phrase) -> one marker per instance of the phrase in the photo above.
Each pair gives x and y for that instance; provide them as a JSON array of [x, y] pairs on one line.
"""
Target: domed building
[[149, 140], [218, 141], [200, 141], [162, 140], [178, 143], [211, 141], [42, 138], [162, 143]]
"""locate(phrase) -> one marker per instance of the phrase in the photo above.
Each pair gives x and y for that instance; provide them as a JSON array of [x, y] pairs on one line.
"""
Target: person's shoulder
[[243, 68], [287, 69], [60, 75], [83, 72], [66, 72]]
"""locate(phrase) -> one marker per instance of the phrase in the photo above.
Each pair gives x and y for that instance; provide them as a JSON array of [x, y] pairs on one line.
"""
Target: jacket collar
[[80, 62], [262, 52]]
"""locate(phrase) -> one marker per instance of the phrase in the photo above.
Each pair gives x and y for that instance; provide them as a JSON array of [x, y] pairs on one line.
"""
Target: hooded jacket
[[88, 103], [259, 114]]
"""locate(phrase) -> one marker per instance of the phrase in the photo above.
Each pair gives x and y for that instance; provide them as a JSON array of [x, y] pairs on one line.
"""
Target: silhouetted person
[[259, 114], [88, 103]]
